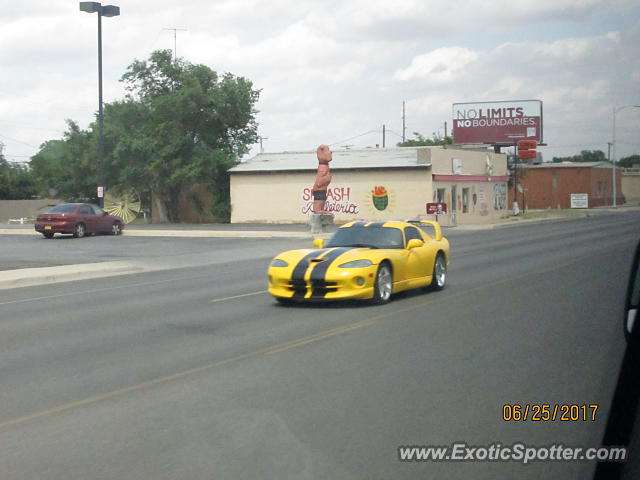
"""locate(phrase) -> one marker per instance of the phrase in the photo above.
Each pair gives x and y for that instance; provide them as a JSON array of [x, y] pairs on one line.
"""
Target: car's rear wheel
[[79, 231], [439, 275], [116, 228], [383, 286], [47, 234]]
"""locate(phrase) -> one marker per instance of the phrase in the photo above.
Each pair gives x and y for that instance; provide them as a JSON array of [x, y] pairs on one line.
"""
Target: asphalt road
[[195, 373]]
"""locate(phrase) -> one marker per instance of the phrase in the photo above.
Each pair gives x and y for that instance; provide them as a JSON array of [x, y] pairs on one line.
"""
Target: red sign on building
[[436, 208], [497, 123]]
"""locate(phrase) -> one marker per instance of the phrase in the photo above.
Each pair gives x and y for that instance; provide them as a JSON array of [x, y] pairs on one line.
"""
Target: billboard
[[497, 123]]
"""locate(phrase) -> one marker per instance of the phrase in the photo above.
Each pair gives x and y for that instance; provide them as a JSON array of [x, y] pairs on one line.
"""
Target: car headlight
[[357, 264], [276, 262]]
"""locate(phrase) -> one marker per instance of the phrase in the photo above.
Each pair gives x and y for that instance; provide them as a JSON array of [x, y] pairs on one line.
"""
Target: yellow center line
[[271, 350]]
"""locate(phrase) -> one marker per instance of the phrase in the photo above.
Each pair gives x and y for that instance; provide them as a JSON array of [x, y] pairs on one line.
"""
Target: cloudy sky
[[335, 71]]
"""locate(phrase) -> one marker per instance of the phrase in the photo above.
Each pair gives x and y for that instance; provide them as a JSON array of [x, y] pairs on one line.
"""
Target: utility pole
[[384, 134], [261, 139], [609, 158], [175, 40], [404, 128]]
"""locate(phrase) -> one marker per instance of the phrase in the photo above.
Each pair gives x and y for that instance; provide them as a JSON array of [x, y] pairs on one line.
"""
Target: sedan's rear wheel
[[79, 230], [116, 228], [47, 234], [383, 286], [439, 278]]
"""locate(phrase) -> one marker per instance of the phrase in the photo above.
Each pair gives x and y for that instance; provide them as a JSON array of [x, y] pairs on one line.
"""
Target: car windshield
[[375, 237], [64, 208]]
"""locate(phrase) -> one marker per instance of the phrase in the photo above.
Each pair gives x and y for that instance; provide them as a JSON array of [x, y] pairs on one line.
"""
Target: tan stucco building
[[276, 187]]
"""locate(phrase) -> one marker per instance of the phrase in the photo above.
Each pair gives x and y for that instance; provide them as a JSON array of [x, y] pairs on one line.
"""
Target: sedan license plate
[[47, 227]]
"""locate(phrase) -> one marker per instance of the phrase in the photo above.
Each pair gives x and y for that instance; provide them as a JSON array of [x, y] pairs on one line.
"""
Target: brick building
[[550, 185]]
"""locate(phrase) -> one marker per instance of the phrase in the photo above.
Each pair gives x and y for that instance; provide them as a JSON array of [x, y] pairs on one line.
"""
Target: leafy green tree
[[422, 141], [630, 161], [68, 166], [585, 156], [181, 124], [16, 181]]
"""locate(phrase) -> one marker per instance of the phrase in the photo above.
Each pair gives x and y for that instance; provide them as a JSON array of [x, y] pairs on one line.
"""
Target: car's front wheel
[[79, 231], [439, 275], [383, 286]]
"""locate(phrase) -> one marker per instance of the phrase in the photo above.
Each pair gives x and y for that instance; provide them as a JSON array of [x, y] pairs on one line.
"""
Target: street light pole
[[107, 11], [100, 115], [613, 147]]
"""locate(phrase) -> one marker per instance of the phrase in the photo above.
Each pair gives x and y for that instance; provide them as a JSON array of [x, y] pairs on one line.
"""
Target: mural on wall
[[500, 196], [380, 198], [338, 200], [380, 201]]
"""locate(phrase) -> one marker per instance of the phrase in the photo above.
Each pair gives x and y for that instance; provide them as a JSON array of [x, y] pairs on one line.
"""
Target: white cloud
[[332, 70], [440, 66]]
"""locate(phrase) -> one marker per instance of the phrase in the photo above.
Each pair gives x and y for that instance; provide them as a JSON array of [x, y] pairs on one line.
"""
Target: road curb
[[516, 223], [29, 277], [187, 233]]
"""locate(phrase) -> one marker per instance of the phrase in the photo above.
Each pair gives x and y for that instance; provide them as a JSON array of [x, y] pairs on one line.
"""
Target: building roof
[[570, 165], [342, 159]]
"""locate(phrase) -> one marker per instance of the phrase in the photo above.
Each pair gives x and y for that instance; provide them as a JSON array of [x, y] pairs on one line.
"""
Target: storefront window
[[465, 200], [440, 195]]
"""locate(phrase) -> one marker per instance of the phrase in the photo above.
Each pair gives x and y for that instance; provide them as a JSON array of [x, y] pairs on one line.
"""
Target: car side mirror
[[318, 242], [414, 243], [631, 305]]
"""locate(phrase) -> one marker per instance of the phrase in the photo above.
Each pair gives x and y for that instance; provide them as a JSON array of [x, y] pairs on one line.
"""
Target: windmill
[[125, 205]]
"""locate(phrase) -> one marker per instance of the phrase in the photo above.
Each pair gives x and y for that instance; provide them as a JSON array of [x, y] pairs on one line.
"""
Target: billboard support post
[[516, 210]]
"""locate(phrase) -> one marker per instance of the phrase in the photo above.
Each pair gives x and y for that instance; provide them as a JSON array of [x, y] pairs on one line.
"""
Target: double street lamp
[[613, 144], [102, 11]]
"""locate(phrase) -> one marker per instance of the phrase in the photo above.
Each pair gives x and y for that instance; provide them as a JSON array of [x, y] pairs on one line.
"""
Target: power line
[[397, 134], [18, 141], [353, 138]]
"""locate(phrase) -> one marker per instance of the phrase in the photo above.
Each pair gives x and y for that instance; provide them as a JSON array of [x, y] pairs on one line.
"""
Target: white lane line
[[216, 300]]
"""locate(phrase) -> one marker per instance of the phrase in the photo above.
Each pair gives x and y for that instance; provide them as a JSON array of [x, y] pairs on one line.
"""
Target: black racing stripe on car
[[358, 224], [319, 285], [297, 276], [376, 224]]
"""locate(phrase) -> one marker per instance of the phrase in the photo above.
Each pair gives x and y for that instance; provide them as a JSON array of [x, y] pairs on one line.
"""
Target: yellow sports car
[[363, 260]]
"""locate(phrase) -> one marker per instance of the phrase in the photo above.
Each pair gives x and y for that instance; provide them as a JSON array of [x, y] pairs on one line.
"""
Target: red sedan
[[79, 219]]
